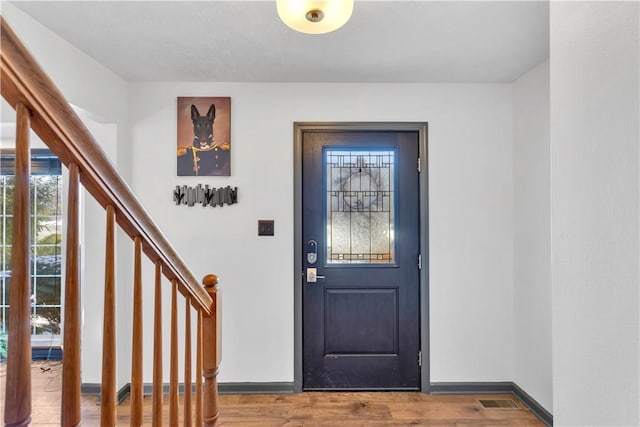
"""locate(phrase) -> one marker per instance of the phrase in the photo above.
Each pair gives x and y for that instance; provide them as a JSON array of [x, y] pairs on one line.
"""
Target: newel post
[[211, 351]]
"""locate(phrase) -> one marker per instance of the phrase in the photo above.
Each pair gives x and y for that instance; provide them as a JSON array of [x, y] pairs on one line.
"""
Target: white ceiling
[[244, 41]]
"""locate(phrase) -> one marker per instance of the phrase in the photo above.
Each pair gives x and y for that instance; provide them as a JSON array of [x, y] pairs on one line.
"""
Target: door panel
[[372, 329], [360, 207]]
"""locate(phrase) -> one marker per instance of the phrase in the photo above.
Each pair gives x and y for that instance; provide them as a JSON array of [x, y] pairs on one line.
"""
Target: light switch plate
[[265, 227]]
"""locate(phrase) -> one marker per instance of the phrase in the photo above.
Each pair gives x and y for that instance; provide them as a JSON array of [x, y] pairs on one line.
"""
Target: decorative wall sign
[[204, 136], [205, 196]]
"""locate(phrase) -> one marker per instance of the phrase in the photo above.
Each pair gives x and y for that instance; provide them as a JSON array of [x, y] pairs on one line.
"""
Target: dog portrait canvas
[[204, 136]]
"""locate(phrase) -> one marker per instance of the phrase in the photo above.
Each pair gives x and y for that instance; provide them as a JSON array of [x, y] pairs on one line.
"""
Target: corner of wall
[[532, 235]]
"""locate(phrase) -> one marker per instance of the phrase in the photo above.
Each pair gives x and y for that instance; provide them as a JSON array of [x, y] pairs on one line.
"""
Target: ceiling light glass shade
[[315, 16]]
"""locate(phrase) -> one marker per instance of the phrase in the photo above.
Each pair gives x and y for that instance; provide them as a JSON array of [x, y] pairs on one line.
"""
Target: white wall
[[84, 81], [595, 127], [93, 234], [471, 213], [532, 240], [102, 95]]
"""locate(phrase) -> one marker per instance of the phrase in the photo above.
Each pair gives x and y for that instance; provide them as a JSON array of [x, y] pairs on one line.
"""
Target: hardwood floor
[[305, 409]]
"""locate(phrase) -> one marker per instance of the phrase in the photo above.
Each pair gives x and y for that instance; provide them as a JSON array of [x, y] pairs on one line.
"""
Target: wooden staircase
[[40, 106]]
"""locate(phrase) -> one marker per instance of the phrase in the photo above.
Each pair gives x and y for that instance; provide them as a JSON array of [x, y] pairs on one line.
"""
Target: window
[[360, 206], [46, 237]]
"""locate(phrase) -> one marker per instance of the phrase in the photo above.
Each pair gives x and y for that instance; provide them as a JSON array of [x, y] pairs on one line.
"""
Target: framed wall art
[[204, 136]]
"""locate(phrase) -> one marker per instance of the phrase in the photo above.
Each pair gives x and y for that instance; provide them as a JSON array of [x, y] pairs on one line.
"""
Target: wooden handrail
[[23, 81]]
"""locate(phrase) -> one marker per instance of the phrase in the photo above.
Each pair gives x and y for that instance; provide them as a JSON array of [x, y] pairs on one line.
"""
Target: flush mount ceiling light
[[315, 16]]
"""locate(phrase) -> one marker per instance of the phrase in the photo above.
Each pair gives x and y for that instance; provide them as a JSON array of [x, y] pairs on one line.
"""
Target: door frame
[[298, 129]]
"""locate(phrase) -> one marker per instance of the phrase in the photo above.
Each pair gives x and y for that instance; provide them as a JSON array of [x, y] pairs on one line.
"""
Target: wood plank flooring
[[306, 409]]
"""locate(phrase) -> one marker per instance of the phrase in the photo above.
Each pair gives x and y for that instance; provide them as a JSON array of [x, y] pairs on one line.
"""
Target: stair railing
[[40, 106]]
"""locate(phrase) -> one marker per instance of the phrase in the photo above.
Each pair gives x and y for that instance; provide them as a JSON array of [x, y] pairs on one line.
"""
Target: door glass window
[[360, 206]]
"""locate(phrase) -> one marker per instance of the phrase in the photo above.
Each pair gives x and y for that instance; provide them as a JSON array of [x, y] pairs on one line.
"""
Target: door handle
[[312, 275]]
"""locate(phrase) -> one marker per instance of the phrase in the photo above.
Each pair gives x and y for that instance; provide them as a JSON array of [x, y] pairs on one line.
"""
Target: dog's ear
[[194, 112], [211, 114]]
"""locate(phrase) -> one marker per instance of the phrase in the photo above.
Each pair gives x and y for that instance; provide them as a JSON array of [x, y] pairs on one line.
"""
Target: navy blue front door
[[361, 242]]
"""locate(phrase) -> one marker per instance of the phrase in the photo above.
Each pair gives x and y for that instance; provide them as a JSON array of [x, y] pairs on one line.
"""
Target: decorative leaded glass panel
[[360, 206]]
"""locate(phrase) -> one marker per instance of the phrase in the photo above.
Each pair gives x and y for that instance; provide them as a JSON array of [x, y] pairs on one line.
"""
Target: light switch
[[265, 227]]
